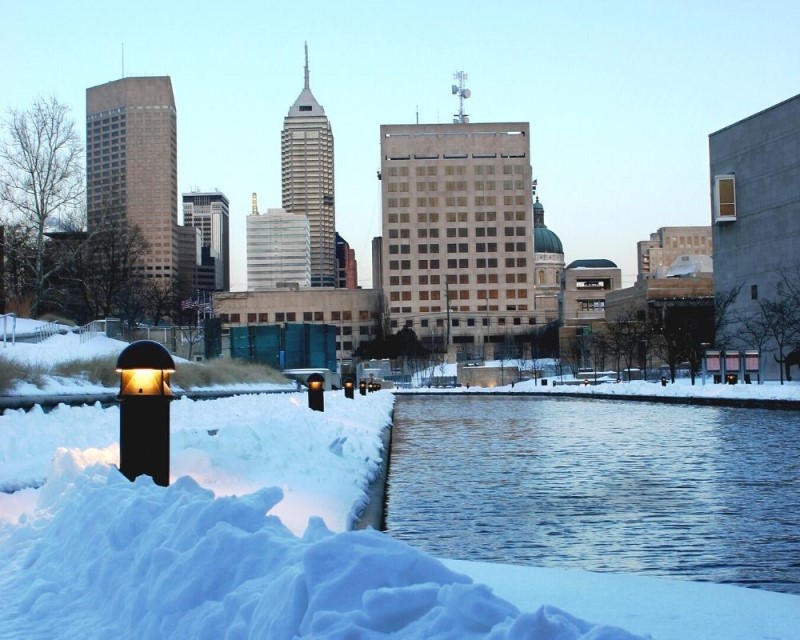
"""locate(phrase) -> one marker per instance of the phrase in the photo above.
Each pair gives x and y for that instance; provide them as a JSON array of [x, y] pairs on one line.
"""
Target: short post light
[[349, 386], [144, 396], [316, 388], [362, 387]]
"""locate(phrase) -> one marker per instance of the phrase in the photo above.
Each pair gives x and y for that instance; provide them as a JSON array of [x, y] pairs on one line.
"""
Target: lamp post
[[362, 387], [316, 395], [144, 396], [349, 385]]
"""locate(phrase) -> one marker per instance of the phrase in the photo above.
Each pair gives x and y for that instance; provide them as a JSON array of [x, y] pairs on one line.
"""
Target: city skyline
[[621, 98]]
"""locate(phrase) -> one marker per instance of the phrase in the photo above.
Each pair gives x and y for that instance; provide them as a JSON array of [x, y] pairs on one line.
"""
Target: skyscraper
[[457, 255], [307, 179], [132, 164], [208, 211], [278, 250]]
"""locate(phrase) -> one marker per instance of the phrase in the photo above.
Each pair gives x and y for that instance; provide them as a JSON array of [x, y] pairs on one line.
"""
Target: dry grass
[[224, 371], [102, 371], [12, 372]]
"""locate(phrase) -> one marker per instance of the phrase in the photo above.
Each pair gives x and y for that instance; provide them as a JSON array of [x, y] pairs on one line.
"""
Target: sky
[[621, 95], [252, 539]]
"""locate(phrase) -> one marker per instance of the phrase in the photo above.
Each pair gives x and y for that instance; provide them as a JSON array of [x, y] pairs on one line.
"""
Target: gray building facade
[[755, 202]]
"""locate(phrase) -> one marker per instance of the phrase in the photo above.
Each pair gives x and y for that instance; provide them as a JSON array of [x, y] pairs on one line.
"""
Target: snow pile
[[108, 558], [323, 462]]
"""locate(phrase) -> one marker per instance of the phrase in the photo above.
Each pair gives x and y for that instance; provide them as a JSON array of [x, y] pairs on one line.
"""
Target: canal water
[[687, 492]]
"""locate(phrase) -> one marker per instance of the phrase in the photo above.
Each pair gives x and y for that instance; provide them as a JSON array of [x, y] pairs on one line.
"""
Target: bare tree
[[753, 331], [41, 179], [105, 267], [724, 320], [625, 333], [781, 318]]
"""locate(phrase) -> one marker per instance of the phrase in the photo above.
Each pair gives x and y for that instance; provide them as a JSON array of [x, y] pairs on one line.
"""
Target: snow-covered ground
[[252, 539]]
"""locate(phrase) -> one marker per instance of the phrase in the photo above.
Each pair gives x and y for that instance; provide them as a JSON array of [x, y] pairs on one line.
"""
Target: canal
[[688, 492]]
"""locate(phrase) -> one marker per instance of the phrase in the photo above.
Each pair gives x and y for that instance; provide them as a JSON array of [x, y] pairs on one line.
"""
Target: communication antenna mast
[[254, 202], [463, 93]]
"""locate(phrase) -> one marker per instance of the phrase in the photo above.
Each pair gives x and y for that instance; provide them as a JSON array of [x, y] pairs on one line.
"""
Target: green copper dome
[[544, 240]]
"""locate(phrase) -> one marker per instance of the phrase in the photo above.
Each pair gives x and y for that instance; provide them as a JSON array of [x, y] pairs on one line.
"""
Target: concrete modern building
[[132, 164], [347, 275], [457, 228], [355, 312], [278, 251], [755, 209], [656, 255], [308, 180], [209, 212], [548, 259], [584, 286]]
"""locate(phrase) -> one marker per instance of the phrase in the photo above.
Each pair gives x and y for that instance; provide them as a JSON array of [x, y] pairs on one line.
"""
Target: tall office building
[[307, 179], [278, 251], [457, 227], [132, 164], [209, 212]]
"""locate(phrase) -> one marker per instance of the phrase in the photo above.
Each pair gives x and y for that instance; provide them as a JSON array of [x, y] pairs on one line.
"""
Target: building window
[[724, 198], [754, 292]]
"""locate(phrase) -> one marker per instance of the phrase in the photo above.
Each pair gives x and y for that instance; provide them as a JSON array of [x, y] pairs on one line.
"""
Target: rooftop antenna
[[417, 114], [123, 59], [306, 69], [254, 203], [463, 93]]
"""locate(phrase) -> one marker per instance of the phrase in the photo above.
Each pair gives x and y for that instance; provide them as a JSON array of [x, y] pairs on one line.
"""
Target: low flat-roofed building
[[355, 312]]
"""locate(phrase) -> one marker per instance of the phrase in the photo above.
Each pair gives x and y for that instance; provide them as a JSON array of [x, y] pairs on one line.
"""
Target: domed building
[[548, 258]]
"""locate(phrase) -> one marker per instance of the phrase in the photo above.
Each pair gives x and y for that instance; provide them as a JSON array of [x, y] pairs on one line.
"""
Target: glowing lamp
[[316, 386], [144, 396], [349, 387]]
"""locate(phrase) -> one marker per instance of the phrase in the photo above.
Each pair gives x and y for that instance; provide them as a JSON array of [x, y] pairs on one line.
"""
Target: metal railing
[[47, 330], [92, 330], [6, 317]]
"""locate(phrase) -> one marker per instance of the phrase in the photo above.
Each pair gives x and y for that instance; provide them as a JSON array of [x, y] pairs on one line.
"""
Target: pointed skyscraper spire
[[306, 104], [307, 86]]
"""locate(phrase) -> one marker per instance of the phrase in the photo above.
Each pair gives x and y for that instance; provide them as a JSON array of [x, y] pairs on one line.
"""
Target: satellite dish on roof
[[467, 93], [455, 89]]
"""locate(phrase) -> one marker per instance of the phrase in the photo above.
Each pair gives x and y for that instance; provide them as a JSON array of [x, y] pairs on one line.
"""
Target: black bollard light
[[316, 388], [663, 382], [349, 386], [362, 387], [144, 396]]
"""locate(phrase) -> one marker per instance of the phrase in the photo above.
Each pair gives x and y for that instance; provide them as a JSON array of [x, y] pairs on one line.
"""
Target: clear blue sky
[[620, 95]]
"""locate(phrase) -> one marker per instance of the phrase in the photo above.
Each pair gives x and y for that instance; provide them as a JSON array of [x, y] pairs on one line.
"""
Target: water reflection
[[702, 493]]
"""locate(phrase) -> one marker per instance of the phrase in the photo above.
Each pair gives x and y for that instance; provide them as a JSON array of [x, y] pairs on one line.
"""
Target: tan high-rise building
[[457, 228], [132, 164], [307, 179]]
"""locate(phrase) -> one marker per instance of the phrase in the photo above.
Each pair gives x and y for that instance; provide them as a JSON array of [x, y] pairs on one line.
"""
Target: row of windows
[[466, 322], [450, 216], [460, 263], [460, 294], [456, 185], [458, 170], [458, 247], [455, 201], [306, 316], [457, 278]]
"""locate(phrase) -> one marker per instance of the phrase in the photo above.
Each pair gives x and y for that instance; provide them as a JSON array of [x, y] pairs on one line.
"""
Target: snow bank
[[104, 557]]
